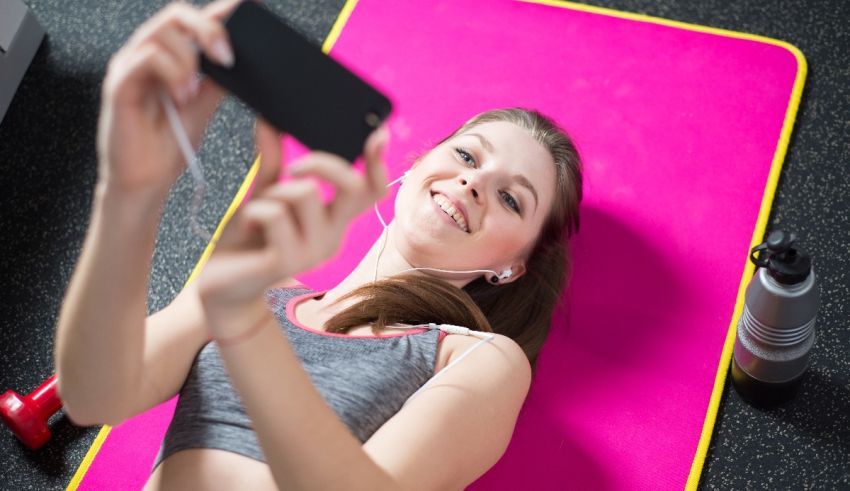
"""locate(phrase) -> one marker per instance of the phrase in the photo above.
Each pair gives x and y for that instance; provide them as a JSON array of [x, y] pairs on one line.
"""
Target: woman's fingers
[[220, 9], [142, 66], [206, 32], [268, 141], [373, 154], [349, 186], [280, 232], [275, 219], [181, 30], [210, 93], [305, 204], [178, 31], [244, 231], [296, 228], [353, 191], [179, 45]]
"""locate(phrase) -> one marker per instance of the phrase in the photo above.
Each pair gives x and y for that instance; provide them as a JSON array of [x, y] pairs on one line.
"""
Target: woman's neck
[[392, 262]]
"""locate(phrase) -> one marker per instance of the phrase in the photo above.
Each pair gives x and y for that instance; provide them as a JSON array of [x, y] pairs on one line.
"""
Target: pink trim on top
[[290, 314]]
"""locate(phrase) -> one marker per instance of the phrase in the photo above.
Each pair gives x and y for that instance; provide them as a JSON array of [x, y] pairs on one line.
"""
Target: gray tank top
[[365, 380]]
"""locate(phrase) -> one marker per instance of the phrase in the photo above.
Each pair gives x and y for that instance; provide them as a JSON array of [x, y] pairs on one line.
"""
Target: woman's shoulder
[[502, 346]]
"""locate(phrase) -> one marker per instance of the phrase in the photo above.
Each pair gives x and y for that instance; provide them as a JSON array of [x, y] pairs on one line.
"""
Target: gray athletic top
[[365, 380]]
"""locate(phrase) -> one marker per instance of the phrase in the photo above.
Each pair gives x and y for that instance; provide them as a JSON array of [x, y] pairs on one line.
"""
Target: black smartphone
[[295, 86]]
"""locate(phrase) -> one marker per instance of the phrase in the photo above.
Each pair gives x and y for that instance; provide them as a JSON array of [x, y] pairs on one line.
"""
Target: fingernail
[[223, 53], [383, 138]]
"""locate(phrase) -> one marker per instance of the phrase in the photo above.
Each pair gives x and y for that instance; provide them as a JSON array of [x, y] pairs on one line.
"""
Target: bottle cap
[[786, 264]]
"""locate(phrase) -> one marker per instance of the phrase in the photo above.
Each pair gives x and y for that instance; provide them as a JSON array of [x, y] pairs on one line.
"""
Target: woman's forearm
[[305, 443], [100, 333]]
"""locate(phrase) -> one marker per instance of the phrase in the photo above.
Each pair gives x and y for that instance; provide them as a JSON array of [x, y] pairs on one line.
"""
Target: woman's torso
[[210, 468]]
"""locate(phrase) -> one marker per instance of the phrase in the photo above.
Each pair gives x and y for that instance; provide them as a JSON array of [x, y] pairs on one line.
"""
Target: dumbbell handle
[[27, 416], [45, 397]]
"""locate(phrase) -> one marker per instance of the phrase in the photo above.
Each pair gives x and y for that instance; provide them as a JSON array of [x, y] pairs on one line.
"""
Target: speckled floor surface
[[48, 165]]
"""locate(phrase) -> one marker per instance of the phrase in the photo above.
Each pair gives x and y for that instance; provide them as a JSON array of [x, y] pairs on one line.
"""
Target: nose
[[470, 186]]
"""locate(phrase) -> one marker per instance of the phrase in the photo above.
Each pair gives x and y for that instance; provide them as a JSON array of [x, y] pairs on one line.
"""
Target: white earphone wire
[[191, 162], [449, 328], [200, 186]]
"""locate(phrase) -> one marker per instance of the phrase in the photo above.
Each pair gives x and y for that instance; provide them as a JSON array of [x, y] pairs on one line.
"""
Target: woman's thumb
[[269, 144]]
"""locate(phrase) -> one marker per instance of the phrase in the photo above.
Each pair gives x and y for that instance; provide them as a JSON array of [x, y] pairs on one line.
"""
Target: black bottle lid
[[786, 264]]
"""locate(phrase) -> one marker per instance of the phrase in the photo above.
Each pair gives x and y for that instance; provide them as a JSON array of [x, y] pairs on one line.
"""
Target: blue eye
[[511, 201], [464, 155]]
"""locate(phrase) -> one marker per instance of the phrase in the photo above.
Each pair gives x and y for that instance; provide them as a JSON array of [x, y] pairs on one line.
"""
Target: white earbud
[[505, 274]]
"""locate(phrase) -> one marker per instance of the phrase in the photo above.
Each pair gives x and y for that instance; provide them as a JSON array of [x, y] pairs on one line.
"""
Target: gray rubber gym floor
[[48, 163]]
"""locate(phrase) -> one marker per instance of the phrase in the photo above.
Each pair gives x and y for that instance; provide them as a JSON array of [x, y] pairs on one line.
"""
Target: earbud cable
[[200, 188], [192, 163]]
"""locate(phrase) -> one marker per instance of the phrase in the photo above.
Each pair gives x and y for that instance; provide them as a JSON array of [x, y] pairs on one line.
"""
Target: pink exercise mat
[[682, 129]]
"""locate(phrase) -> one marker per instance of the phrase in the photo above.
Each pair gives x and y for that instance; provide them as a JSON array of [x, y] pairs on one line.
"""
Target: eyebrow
[[518, 178]]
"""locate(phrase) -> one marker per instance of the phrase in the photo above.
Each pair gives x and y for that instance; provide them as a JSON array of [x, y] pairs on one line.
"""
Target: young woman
[[301, 389]]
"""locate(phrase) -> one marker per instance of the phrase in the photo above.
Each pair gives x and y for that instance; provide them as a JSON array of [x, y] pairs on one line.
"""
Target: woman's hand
[[285, 229], [136, 150]]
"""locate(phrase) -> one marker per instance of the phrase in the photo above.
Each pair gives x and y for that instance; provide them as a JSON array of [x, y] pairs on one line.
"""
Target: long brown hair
[[521, 310]]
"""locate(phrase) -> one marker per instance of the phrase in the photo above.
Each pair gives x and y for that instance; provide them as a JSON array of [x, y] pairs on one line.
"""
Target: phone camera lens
[[373, 120]]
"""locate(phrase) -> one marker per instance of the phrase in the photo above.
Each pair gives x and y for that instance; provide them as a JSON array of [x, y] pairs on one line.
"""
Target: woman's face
[[504, 182]]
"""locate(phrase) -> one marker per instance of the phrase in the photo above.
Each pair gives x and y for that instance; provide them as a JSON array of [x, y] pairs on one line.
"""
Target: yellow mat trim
[[89, 458], [758, 233], [749, 267], [336, 30], [764, 210], [671, 23]]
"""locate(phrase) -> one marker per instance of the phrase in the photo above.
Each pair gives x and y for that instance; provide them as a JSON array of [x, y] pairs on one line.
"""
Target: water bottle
[[776, 331]]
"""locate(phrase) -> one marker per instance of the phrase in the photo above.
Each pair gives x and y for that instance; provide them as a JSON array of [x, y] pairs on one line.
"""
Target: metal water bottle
[[776, 331]]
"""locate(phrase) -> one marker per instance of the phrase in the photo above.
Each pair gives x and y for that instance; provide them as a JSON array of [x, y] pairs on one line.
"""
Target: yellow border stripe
[[764, 210], [89, 458], [749, 268], [671, 23], [336, 30], [331, 39]]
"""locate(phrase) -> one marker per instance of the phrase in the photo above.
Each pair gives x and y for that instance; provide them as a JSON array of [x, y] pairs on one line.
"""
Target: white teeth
[[450, 210]]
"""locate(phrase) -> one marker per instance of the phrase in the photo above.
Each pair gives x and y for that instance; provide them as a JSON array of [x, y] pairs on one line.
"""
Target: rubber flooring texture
[[48, 165]]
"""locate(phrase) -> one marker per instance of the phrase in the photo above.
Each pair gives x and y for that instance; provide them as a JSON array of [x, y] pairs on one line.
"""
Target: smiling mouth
[[448, 208]]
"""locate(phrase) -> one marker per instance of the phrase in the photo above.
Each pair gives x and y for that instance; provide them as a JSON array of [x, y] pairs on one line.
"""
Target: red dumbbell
[[27, 417]]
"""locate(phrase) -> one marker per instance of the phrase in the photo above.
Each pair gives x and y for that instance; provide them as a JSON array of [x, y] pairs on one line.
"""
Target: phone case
[[295, 86]]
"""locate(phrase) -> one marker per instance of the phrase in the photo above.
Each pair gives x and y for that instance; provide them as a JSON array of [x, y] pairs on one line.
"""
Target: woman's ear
[[517, 270]]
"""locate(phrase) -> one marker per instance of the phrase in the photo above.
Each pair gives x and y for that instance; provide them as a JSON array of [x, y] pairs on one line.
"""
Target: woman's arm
[[284, 230], [99, 337], [305, 443], [100, 333], [461, 425]]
